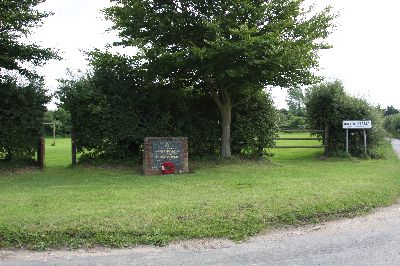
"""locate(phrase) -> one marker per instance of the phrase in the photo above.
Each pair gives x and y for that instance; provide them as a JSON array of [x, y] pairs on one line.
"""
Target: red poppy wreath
[[168, 168]]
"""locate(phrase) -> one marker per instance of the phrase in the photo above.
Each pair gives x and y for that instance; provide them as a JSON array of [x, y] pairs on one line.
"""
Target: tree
[[392, 125], [295, 101], [17, 18], [390, 110], [22, 101], [62, 120], [226, 49]]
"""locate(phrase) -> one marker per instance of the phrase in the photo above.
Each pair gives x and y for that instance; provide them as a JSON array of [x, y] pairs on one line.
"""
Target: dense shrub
[[114, 108], [328, 105], [392, 125], [254, 125], [22, 109]]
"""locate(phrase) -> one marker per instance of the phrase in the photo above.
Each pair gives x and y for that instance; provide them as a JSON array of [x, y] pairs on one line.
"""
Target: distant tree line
[[392, 121], [62, 121]]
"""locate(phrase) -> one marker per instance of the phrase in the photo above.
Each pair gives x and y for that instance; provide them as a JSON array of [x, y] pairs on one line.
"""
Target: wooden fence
[[325, 139]]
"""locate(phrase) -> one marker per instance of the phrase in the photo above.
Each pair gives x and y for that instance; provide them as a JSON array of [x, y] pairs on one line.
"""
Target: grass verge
[[86, 206]]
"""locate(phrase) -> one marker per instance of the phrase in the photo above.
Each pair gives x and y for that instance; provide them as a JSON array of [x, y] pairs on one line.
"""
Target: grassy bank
[[85, 206]]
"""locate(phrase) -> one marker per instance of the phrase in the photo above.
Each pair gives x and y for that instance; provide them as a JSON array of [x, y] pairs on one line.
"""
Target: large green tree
[[17, 19], [22, 100], [228, 49]]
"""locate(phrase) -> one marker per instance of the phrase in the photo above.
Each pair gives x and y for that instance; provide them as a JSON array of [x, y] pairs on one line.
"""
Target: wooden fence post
[[41, 152], [54, 134], [326, 140], [73, 146]]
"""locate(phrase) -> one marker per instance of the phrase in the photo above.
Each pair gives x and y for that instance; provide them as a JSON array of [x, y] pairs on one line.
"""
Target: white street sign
[[353, 124]]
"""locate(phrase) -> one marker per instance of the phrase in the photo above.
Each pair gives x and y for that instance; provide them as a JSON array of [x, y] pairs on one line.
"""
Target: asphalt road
[[396, 146], [369, 240]]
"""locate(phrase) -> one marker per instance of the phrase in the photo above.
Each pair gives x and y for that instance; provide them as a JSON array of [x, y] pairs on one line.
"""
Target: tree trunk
[[224, 103], [226, 116]]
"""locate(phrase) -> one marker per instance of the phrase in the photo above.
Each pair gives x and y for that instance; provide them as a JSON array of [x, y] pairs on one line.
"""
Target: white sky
[[365, 53]]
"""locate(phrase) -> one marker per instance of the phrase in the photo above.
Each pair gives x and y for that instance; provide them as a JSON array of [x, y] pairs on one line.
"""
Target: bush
[[254, 126], [328, 105], [392, 125], [114, 108], [22, 111]]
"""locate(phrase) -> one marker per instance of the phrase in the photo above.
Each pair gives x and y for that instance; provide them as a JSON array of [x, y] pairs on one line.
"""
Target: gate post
[[41, 152], [326, 139]]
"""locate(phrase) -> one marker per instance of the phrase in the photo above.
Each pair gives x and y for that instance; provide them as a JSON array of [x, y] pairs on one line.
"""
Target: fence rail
[[325, 138]]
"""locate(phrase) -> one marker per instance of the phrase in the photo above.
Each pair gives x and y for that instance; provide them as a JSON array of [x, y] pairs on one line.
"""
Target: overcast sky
[[365, 53]]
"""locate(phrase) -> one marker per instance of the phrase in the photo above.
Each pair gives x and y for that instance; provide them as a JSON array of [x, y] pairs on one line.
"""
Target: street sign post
[[356, 124]]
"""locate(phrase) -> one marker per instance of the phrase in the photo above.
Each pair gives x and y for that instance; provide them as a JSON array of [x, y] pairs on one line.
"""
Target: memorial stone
[[160, 150]]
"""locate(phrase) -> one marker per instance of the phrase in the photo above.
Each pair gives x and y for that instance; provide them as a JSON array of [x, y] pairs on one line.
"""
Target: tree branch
[[216, 99]]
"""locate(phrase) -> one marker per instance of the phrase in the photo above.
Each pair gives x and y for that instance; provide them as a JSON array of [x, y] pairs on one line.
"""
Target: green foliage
[[282, 118], [295, 101], [114, 108], [289, 121], [17, 18], [328, 105], [62, 120], [294, 117], [254, 126], [22, 97], [21, 117], [392, 124], [296, 122], [390, 110], [227, 49]]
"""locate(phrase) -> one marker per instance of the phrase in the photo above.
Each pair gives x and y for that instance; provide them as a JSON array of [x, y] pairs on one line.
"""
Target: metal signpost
[[355, 124]]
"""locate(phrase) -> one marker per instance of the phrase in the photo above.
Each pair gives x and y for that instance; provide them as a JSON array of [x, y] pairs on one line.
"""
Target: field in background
[[58, 155], [296, 153], [84, 206]]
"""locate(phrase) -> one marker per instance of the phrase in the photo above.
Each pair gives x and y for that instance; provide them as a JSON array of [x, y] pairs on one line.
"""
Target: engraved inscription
[[166, 151]]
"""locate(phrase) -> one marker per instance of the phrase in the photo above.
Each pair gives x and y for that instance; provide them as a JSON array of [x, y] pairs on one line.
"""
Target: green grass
[[85, 206], [60, 154]]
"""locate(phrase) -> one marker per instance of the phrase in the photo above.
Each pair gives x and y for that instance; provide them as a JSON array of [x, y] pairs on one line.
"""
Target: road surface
[[396, 146]]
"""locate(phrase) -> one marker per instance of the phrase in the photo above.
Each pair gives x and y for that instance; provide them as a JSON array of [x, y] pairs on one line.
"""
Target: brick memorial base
[[160, 150]]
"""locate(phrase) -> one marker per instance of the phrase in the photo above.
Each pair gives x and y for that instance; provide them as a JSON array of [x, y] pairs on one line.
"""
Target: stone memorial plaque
[[160, 150]]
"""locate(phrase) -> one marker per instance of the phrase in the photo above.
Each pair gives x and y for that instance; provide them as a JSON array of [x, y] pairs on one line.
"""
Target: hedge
[[328, 104], [22, 109]]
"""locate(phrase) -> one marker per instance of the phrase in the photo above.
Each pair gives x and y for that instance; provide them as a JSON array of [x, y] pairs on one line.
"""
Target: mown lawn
[[86, 206]]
